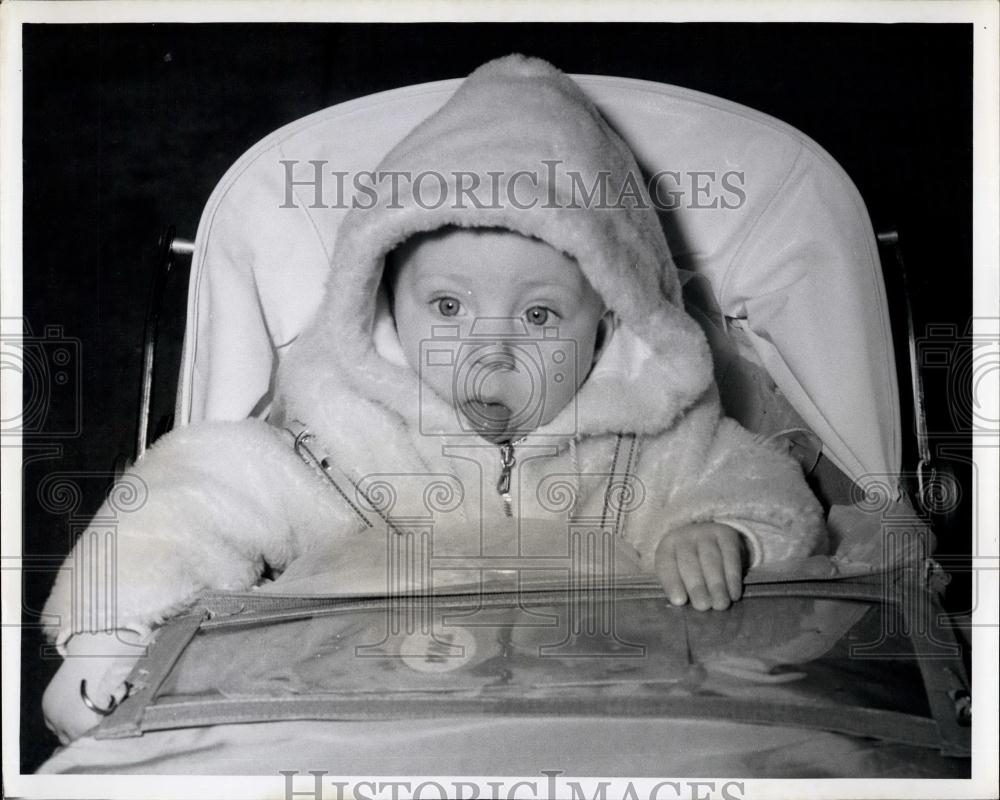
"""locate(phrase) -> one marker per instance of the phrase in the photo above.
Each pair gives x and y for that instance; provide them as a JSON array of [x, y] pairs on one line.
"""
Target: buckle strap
[[301, 437], [148, 675]]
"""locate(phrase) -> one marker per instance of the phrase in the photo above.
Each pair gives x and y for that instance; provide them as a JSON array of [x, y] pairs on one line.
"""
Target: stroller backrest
[[774, 229]]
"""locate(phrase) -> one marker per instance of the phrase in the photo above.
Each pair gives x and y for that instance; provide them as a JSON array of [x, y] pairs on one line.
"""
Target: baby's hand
[[104, 661], [702, 562]]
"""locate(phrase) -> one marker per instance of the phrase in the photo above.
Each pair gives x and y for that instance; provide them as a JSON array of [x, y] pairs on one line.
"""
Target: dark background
[[127, 128]]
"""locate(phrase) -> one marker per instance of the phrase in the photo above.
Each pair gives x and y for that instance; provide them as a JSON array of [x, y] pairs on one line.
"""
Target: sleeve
[[205, 508], [714, 470]]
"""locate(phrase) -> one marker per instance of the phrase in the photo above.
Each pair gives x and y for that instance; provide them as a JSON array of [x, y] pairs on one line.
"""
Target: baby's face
[[503, 327]]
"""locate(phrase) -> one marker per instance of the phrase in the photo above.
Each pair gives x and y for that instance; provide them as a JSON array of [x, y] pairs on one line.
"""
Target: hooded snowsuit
[[642, 449]]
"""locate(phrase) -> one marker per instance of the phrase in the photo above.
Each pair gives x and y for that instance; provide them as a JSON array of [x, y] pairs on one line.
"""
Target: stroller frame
[[913, 587]]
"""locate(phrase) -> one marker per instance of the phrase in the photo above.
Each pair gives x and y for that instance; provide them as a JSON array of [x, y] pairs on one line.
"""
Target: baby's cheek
[[564, 376], [560, 395]]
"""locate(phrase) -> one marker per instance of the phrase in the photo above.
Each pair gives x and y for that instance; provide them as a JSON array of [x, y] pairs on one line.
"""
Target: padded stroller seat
[[758, 210]]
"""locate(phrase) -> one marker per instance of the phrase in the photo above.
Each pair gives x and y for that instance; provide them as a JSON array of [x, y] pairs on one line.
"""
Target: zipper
[[507, 462]]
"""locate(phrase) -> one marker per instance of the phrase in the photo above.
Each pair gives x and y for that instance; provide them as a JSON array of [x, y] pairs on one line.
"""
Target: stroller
[[843, 654]]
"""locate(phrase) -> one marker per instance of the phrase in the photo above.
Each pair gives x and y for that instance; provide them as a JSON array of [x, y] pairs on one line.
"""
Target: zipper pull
[[507, 462]]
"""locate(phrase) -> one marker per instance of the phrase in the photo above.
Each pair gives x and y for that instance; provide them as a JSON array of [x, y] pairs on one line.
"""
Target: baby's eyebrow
[[548, 285], [438, 278], [536, 286]]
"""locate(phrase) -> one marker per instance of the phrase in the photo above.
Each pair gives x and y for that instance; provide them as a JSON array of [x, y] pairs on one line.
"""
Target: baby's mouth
[[489, 419]]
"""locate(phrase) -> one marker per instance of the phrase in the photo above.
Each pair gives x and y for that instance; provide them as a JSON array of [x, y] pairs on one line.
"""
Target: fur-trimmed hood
[[532, 144]]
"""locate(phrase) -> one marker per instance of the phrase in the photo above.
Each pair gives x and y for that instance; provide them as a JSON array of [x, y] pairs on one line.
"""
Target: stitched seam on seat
[[752, 227], [305, 210]]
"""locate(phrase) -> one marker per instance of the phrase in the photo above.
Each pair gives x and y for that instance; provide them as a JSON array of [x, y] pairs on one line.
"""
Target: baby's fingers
[[113, 686], [694, 581], [120, 692], [713, 571], [732, 560], [670, 577]]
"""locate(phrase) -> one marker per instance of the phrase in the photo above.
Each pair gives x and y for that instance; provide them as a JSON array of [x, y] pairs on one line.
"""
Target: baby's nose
[[492, 366], [497, 356]]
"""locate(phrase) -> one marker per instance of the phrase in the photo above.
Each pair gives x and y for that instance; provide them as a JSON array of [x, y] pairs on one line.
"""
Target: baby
[[504, 340], [465, 276]]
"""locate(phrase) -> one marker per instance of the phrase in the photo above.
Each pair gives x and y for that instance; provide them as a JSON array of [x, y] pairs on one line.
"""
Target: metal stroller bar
[[890, 240], [168, 247]]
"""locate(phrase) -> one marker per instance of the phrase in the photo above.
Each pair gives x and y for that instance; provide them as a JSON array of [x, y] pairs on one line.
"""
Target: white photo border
[[986, 256]]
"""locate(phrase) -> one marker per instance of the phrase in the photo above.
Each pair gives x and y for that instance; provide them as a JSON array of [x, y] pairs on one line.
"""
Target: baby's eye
[[537, 315], [448, 306]]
